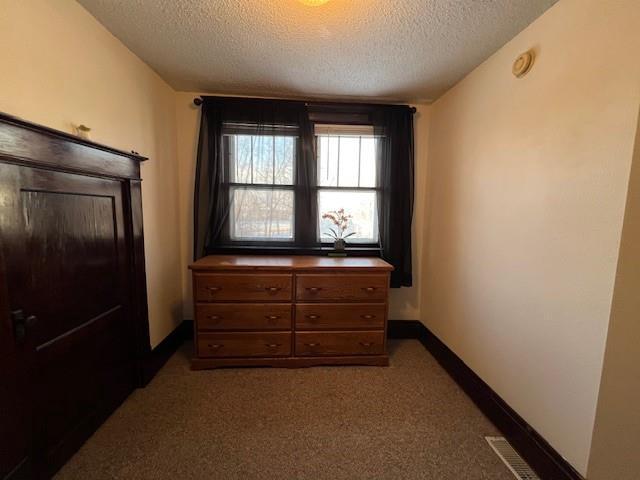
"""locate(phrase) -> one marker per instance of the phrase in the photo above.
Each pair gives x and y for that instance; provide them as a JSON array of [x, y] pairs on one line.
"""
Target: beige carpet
[[406, 421]]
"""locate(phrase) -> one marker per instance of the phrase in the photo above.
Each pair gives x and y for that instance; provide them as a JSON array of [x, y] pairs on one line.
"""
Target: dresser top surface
[[288, 262]]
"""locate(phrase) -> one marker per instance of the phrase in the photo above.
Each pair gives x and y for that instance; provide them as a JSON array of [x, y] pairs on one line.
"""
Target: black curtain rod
[[198, 101]]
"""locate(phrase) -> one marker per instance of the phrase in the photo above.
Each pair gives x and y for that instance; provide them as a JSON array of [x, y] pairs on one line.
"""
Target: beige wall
[[405, 302], [616, 436], [528, 180], [61, 67], [188, 123]]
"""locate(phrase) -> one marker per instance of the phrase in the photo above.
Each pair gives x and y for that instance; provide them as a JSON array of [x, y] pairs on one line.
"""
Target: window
[[260, 172], [347, 182], [269, 174]]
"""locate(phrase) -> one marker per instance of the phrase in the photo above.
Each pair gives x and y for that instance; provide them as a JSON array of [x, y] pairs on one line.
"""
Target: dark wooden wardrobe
[[73, 312]]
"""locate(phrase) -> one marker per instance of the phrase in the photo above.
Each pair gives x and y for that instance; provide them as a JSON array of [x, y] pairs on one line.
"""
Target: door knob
[[21, 324]]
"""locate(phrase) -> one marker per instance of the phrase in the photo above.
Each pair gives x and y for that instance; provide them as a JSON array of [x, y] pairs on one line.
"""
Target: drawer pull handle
[[366, 344], [273, 289], [312, 344], [215, 346], [369, 289], [214, 317], [214, 289], [314, 289], [368, 316], [272, 317], [274, 345], [313, 317]]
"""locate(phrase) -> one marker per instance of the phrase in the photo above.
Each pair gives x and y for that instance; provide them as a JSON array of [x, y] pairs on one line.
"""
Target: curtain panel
[[396, 183], [220, 193]]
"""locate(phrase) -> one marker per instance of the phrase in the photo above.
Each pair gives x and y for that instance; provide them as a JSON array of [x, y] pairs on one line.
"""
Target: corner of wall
[[616, 430]]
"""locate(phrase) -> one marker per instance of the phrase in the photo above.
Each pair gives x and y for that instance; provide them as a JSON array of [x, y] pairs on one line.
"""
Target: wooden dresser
[[290, 311]]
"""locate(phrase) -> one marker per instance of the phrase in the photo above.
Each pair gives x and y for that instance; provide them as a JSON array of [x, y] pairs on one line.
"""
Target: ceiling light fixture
[[313, 3]]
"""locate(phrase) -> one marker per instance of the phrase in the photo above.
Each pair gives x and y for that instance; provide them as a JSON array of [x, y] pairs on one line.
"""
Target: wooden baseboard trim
[[404, 329], [537, 452], [156, 359]]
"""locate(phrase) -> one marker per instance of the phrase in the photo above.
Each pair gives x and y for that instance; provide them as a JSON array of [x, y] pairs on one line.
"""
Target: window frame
[[319, 188], [230, 245], [228, 186]]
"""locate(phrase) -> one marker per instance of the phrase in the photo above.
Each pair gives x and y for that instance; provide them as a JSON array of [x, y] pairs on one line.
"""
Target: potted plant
[[341, 222]]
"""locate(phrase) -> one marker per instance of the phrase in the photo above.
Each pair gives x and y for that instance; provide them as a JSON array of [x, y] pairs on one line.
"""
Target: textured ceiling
[[386, 49]]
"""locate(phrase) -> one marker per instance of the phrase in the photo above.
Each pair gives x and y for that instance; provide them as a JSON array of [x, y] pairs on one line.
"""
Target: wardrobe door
[[68, 269], [16, 461]]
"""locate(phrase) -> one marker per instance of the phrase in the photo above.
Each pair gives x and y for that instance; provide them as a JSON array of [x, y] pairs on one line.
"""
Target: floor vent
[[511, 459]]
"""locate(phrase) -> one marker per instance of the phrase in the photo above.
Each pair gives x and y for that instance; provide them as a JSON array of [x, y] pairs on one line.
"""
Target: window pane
[[349, 161], [262, 159], [368, 171], [323, 161], [285, 154], [360, 205], [328, 148], [240, 149], [261, 214]]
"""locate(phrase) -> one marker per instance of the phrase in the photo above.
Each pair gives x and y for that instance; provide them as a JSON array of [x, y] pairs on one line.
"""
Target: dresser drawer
[[243, 316], [339, 343], [328, 316], [242, 287], [249, 344], [341, 287]]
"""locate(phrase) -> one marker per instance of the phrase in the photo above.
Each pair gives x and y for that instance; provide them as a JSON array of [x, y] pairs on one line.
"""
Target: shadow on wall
[[616, 434]]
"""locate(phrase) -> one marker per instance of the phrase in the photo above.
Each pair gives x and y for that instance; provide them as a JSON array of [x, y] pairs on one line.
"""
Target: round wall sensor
[[523, 64]]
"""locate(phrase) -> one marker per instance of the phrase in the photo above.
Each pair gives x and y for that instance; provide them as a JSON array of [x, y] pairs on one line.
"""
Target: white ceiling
[[406, 50]]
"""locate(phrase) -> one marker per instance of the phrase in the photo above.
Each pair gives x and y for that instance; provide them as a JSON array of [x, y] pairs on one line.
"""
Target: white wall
[[527, 186], [404, 302], [61, 67]]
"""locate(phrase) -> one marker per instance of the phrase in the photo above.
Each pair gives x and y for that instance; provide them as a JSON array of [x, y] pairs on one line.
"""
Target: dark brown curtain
[[208, 215], [394, 127]]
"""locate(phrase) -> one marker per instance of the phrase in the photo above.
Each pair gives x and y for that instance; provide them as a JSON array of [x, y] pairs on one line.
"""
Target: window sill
[[353, 251]]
